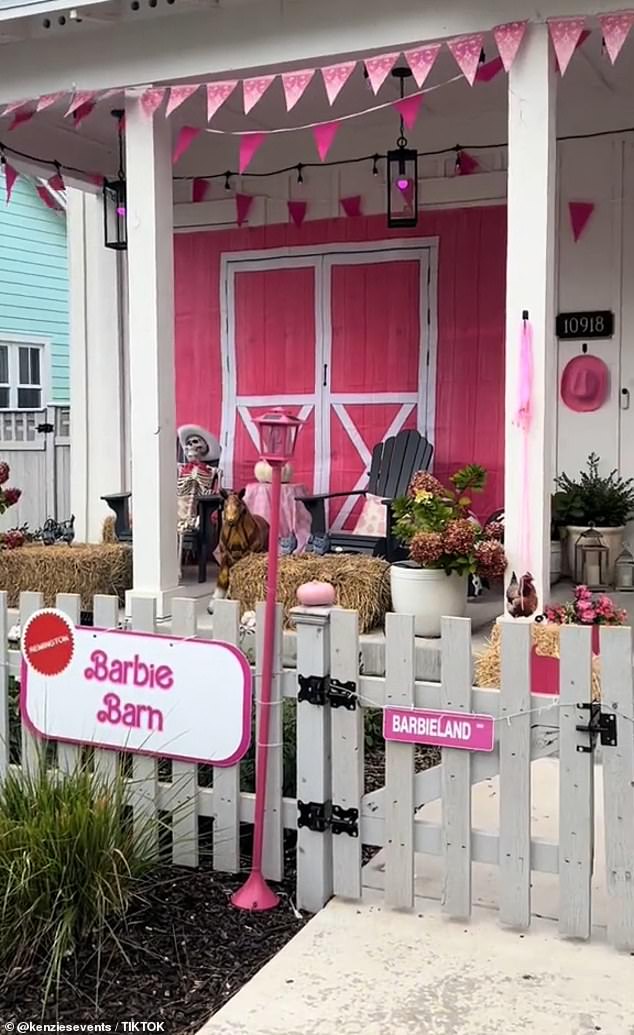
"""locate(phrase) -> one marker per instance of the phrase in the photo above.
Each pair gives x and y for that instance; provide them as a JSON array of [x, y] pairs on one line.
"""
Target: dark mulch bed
[[186, 952]]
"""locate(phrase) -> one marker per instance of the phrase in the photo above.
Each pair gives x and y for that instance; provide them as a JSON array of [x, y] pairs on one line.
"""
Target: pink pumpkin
[[316, 594]]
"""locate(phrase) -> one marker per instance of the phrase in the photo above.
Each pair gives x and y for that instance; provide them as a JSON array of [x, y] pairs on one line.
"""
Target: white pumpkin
[[263, 472]]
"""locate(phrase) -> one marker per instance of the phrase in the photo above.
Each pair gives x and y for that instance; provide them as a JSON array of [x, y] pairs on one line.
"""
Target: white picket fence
[[332, 815]]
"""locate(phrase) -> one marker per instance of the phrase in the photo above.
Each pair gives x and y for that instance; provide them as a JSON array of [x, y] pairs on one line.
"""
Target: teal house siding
[[34, 278]]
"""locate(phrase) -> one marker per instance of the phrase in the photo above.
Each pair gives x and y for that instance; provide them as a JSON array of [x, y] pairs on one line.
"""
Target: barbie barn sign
[[183, 699]]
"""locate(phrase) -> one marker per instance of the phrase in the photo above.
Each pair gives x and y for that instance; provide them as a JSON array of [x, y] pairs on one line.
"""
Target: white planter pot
[[555, 561], [427, 594], [611, 537]]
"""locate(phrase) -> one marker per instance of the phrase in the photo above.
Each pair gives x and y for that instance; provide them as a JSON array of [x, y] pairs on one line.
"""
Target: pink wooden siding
[[470, 356]]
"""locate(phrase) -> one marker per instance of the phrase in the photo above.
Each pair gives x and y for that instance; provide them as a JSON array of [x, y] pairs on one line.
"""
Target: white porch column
[[530, 287], [151, 347], [97, 379]]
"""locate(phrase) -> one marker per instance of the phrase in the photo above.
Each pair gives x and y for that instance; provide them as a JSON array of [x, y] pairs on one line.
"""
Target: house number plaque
[[586, 325]]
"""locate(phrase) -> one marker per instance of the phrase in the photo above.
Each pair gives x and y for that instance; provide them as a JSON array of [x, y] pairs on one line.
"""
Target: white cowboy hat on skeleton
[[188, 431]]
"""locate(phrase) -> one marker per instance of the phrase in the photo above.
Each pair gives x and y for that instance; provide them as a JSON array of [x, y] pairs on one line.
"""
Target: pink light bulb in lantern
[[121, 211], [402, 183]]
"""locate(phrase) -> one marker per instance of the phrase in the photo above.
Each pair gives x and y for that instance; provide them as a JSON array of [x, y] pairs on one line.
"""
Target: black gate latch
[[45, 429], [323, 815], [601, 724]]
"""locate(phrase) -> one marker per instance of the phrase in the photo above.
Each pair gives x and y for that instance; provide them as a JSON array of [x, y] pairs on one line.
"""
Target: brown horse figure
[[241, 533]]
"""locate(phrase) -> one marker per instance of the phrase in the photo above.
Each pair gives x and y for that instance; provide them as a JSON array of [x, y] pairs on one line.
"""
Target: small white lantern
[[624, 569]]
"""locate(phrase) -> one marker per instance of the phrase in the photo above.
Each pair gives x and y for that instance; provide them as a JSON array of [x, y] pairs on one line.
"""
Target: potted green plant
[[605, 502], [445, 545]]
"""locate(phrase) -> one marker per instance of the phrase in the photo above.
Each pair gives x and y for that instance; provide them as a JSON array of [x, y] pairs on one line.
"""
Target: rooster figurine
[[521, 596]]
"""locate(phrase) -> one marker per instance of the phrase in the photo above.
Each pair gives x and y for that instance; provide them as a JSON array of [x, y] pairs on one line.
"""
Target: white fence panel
[[69, 755], [399, 766], [226, 788], [347, 753], [144, 787], [39, 462], [457, 680], [182, 802]]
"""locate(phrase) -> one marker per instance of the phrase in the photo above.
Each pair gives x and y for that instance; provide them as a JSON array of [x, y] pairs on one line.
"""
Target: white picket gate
[[333, 816]]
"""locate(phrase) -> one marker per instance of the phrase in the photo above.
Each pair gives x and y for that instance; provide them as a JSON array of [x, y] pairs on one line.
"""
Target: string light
[[227, 177], [375, 168], [300, 178]]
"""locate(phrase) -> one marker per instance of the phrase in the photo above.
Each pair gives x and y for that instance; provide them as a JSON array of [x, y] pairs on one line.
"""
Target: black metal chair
[[394, 462]]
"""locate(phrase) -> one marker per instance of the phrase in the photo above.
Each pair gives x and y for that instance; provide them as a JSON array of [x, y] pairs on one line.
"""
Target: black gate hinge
[[45, 429], [321, 689], [601, 724], [320, 816]]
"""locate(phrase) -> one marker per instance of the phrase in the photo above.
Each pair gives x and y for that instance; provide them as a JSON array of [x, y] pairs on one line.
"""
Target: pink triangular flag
[[47, 100], [352, 205], [14, 106], [151, 100], [565, 34], [467, 50], [217, 94], [324, 135], [421, 60], [83, 111], [294, 84], [489, 70], [379, 68], [178, 95], [336, 76], [56, 181], [408, 108], [466, 164], [24, 115], [48, 199], [249, 144], [186, 136], [80, 97], [97, 178], [297, 211], [253, 89], [580, 212], [508, 38], [615, 29], [243, 204], [199, 189], [10, 176]]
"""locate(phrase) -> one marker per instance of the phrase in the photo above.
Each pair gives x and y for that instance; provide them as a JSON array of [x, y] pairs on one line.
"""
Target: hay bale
[[488, 665], [82, 569], [361, 583]]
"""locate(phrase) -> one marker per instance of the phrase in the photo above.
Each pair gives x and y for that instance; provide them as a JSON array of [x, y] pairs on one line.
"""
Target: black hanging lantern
[[115, 223], [402, 174]]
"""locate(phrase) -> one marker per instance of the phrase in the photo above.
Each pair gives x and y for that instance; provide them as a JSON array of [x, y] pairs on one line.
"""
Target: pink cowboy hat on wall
[[585, 384]]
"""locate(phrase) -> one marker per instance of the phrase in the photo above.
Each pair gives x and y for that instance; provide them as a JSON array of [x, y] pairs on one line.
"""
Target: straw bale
[[107, 530], [362, 583], [82, 569], [546, 642]]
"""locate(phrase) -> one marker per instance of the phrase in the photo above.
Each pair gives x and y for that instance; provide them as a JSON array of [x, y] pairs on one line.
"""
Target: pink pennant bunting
[[151, 100], [508, 38], [335, 77], [21, 116], [466, 164], [297, 211], [378, 69], [249, 144], [408, 108], [467, 50], [80, 97], [97, 178], [10, 176], [294, 84], [615, 29], [243, 205], [580, 212], [489, 70], [254, 89], [199, 189], [184, 140], [56, 181], [217, 94], [14, 106], [47, 100], [565, 34], [352, 205], [324, 136], [83, 111], [421, 61], [48, 199], [178, 95]]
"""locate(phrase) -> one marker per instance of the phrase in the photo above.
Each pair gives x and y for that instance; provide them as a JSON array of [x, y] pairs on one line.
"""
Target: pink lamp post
[[278, 435]]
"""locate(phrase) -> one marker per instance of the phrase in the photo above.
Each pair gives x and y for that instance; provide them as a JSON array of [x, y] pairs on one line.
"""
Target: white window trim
[[37, 341]]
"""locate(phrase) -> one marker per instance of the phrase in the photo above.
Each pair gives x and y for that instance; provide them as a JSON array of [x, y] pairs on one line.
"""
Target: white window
[[21, 375]]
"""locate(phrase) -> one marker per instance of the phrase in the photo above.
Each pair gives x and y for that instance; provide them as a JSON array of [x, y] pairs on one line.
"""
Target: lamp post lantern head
[[278, 435]]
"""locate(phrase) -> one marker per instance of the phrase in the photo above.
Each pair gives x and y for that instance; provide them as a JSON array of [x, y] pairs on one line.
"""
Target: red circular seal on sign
[[48, 642]]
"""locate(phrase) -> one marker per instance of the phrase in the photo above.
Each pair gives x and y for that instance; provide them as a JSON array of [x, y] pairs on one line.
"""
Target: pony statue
[[241, 533]]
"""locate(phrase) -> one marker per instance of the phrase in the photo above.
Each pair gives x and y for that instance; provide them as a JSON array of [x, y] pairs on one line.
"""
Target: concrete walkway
[[359, 969]]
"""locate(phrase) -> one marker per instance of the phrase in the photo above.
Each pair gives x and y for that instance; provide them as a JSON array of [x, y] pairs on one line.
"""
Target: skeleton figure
[[198, 476]]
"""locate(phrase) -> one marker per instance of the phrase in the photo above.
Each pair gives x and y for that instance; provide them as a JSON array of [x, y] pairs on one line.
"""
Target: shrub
[[591, 499], [69, 863]]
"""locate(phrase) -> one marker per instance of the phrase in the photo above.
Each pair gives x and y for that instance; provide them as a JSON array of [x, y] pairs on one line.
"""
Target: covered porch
[[278, 281]]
